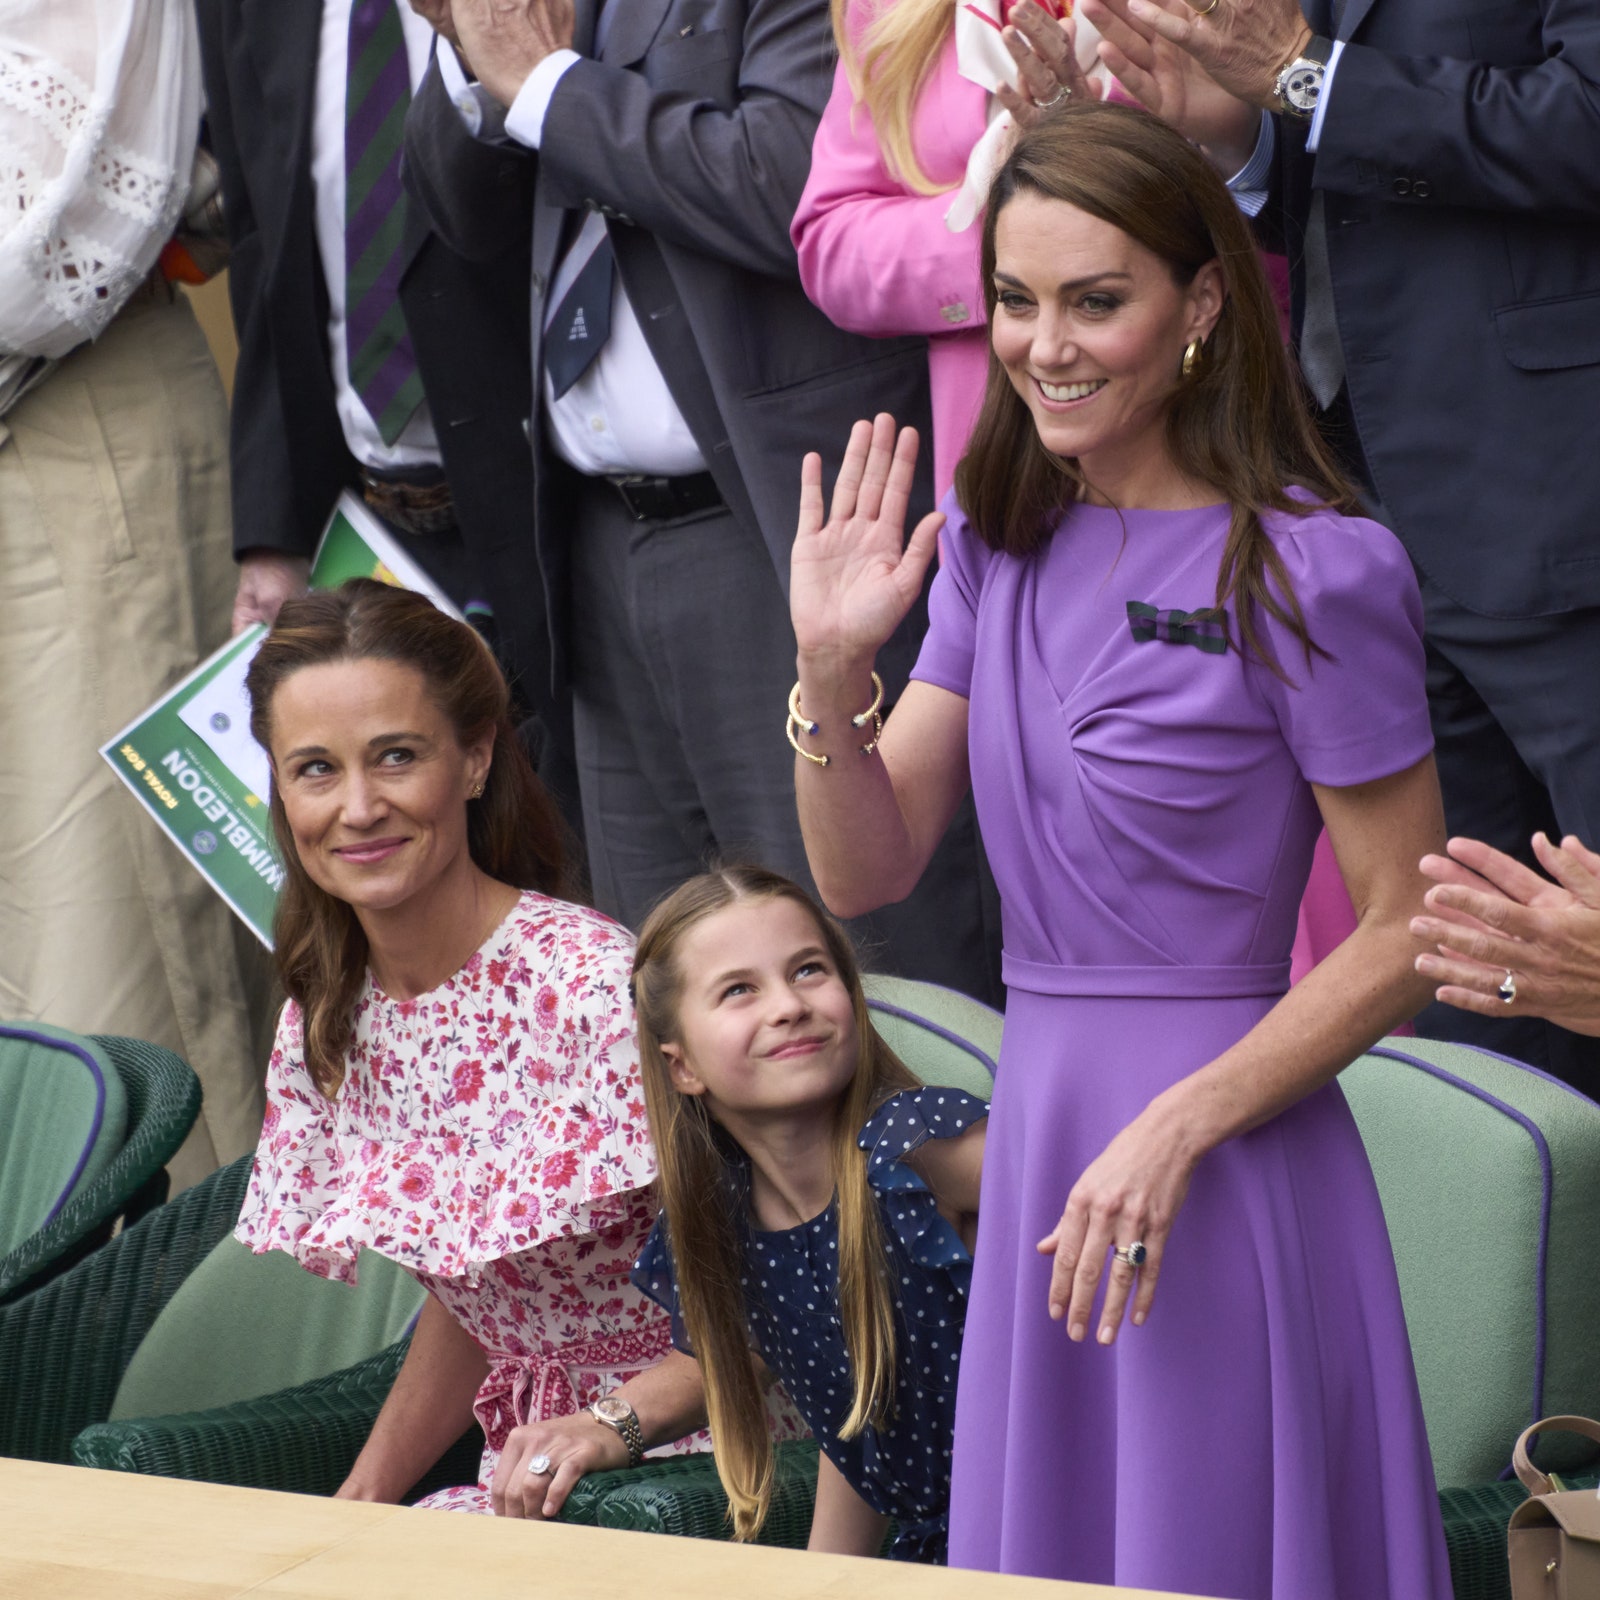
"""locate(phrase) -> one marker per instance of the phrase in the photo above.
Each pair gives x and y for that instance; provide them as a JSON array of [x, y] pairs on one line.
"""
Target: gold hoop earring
[[1191, 357]]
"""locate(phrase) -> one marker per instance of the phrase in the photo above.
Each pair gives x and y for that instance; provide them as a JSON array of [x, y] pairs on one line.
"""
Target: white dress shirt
[[1249, 184], [416, 446], [619, 417]]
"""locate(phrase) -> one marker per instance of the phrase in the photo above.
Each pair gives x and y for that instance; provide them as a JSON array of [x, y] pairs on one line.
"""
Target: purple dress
[[1146, 805]]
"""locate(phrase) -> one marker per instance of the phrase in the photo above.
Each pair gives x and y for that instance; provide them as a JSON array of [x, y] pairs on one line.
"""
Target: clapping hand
[[437, 14], [506, 39], [1241, 44], [1498, 925], [1045, 51], [852, 573], [1173, 85]]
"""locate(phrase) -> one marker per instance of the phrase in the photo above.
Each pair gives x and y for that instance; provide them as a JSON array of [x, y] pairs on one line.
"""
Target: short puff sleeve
[[950, 643], [1359, 712]]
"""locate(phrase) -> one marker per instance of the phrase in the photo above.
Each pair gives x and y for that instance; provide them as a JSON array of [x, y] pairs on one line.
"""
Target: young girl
[[818, 1208]]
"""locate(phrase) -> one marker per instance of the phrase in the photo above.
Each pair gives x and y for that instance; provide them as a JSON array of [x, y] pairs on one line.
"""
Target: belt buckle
[[641, 486]]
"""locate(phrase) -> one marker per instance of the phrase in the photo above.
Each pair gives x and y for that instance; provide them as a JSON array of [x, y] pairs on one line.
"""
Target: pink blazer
[[877, 257]]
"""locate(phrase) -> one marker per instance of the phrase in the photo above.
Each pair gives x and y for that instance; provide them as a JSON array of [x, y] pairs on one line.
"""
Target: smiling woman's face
[[374, 781], [1091, 328]]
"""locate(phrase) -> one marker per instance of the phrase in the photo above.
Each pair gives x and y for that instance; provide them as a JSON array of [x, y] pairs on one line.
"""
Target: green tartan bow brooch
[[1206, 629]]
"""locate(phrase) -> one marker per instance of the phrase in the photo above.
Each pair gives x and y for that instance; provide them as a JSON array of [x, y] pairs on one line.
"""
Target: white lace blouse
[[99, 116]]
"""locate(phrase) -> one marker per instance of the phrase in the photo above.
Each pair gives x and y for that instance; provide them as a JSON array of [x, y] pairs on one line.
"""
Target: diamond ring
[[1133, 1255], [538, 1466], [1508, 987]]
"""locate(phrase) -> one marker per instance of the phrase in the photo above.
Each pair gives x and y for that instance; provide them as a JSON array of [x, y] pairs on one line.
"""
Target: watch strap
[[625, 1426]]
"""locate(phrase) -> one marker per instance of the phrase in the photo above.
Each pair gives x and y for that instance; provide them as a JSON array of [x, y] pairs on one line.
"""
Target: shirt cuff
[[462, 95], [1249, 184], [525, 119], [1322, 99]]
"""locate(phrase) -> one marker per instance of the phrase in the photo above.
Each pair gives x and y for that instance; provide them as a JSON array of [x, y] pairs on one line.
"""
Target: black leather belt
[[661, 499], [416, 500]]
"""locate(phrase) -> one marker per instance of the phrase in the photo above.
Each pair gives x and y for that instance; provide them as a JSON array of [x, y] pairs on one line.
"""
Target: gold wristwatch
[[622, 1419]]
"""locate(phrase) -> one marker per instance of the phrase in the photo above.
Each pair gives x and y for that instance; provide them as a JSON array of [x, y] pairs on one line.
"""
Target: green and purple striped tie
[[383, 366]]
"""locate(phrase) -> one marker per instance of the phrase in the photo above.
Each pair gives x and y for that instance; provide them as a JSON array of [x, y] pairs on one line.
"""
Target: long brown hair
[[1240, 423], [514, 831], [695, 1157]]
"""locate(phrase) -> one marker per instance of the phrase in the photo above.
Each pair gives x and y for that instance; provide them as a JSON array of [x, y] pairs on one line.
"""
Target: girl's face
[[1091, 328], [374, 782], [765, 1023]]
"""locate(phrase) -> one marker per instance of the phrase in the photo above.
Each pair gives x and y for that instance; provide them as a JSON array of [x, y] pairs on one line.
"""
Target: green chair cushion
[[63, 1117], [1489, 1174], [945, 1037], [244, 1325]]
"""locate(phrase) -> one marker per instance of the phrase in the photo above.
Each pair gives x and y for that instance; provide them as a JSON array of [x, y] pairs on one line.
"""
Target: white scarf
[[982, 58]]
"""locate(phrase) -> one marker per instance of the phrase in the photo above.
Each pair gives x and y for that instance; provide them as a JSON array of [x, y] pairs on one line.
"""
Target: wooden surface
[[67, 1533]]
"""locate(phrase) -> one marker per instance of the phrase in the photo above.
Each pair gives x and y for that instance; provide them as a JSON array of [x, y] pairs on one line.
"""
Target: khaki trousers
[[116, 578]]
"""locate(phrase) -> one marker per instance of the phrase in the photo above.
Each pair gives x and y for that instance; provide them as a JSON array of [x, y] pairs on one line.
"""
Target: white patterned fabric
[[99, 117], [982, 58]]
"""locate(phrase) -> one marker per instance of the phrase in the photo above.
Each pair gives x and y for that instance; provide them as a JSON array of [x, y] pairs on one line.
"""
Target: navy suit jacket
[[468, 323], [1459, 159], [692, 136]]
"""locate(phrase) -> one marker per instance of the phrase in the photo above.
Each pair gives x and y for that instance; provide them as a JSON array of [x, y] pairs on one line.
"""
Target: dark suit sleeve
[[264, 509], [1522, 138], [477, 192], [654, 146]]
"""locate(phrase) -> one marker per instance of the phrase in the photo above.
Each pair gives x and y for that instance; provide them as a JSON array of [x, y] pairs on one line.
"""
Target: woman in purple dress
[[1163, 651]]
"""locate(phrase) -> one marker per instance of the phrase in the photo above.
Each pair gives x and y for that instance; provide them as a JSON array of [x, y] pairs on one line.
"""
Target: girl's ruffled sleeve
[[655, 1277], [901, 1125]]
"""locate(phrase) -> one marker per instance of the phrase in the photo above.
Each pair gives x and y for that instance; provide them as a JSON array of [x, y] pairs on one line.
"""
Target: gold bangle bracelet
[[798, 722]]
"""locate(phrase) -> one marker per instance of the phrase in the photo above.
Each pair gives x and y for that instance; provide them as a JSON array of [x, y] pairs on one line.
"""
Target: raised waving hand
[[852, 573]]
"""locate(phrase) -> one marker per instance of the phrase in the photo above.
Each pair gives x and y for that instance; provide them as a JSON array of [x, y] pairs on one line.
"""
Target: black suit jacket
[[692, 136], [1460, 163], [468, 323]]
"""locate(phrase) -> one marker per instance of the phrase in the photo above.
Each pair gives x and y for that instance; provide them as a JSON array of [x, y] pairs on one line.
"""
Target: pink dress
[[490, 1137]]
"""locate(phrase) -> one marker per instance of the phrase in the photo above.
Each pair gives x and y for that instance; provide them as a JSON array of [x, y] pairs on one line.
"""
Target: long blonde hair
[[697, 1158], [898, 49]]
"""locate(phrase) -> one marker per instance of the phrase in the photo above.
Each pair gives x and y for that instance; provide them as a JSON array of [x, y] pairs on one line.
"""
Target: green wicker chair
[[162, 1097]]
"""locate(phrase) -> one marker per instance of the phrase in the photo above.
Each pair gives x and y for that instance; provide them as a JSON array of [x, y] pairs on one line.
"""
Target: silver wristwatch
[[1299, 85], [618, 1415]]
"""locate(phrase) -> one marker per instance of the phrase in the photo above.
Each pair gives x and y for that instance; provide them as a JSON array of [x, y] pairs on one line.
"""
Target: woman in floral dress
[[454, 1083]]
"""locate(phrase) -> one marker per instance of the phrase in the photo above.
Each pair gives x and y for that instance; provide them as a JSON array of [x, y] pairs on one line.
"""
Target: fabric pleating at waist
[[1149, 983]]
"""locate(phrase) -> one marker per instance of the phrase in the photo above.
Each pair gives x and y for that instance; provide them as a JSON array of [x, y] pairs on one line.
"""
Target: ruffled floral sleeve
[[497, 1112], [902, 1124], [295, 1173]]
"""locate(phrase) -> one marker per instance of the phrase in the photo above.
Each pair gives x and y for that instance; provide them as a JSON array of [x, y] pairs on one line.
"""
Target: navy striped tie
[[383, 366]]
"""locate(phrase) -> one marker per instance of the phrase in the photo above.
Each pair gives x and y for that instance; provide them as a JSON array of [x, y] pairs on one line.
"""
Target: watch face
[[611, 1409], [1302, 84]]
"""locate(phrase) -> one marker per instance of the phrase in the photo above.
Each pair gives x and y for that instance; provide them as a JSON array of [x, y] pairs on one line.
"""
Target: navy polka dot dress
[[792, 1288]]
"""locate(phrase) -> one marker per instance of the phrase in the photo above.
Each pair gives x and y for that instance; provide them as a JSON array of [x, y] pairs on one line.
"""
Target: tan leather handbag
[[1554, 1535]]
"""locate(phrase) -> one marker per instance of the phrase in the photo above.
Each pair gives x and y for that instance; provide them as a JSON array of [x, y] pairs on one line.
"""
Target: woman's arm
[[870, 822], [874, 255], [669, 1400], [428, 1409], [1133, 1191], [843, 1524]]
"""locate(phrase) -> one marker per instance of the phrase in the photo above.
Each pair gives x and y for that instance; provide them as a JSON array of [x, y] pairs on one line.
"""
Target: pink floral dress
[[490, 1137]]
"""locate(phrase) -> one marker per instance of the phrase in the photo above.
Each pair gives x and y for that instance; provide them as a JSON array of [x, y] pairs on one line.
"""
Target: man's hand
[[266, 579], [506, 39], [568, 1447], [437, 14], [1242, 44], [1497, 925], [1172, 84]]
